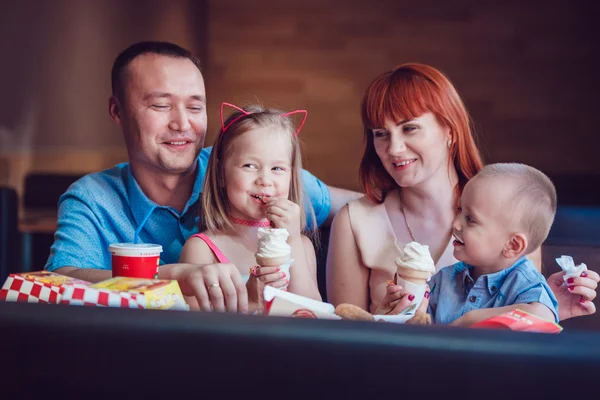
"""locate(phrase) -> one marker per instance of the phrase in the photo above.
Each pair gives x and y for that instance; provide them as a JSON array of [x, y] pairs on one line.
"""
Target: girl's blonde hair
[[214, 214]]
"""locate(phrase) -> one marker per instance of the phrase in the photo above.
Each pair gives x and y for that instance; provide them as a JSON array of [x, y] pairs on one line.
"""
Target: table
[[34, 221], [37, 221]]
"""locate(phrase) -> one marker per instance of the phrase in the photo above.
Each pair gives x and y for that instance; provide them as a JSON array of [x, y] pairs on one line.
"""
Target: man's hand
[[216, 287]]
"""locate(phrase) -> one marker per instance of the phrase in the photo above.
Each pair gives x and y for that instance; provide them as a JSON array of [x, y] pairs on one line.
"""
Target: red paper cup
[[135, 260]]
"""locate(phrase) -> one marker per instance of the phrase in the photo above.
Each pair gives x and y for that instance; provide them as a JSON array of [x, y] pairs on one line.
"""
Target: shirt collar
[[461, 270], [198, 185], [141, 205], [492, 281], [495, 280]]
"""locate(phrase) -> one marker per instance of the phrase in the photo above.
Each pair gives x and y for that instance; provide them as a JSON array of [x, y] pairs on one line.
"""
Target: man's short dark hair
[[141, 48]]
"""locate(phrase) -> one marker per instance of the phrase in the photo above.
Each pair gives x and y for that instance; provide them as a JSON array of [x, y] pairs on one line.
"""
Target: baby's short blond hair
[[534, 199]]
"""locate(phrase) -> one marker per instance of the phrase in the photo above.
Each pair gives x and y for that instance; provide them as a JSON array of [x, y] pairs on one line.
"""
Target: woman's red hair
[[407, 92]]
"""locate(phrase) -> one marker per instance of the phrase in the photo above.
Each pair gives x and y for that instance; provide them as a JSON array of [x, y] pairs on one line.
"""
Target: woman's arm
[[304, 271], [347, 277], [575, 297]]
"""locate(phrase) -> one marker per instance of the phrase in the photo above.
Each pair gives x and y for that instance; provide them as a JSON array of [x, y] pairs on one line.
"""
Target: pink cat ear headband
[[245, 113]]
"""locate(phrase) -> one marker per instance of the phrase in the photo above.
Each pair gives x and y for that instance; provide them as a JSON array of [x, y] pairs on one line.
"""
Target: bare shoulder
[[357, 208], [196, 251], [342, 219], [308, 245]]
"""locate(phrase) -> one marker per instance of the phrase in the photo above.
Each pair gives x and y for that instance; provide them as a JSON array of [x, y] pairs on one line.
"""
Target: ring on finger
[[213, 285], [254, 270]]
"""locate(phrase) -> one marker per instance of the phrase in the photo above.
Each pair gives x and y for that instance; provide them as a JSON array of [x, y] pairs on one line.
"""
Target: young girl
[[253, 181]]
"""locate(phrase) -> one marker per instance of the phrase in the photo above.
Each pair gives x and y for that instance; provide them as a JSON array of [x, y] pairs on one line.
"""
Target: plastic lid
[[135, 249]]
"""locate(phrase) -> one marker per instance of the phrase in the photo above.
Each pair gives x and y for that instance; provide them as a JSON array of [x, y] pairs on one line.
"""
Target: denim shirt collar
[[142, 206], [492, 281], [197, 190]]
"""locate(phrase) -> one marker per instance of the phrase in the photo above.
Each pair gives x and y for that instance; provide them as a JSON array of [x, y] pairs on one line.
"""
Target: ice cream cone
[[273, 250], [273, 261], [415, 276], [414, 268]]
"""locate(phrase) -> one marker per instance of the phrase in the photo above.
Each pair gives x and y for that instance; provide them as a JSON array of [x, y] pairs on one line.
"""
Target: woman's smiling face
[[413, 151]]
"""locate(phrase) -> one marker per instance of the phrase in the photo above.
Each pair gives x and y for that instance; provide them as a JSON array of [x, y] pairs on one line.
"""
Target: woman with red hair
[[420, 152]]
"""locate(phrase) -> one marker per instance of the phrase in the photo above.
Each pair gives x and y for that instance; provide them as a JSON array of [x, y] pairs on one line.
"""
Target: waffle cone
[[413, 275], [273, 261]]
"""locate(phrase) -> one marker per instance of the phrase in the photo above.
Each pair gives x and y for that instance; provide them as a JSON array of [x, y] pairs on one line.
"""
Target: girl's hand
[[576, 295], [284, 214], [262, 276]]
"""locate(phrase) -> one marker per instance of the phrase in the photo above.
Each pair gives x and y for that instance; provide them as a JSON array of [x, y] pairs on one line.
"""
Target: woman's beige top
[[377, 243]]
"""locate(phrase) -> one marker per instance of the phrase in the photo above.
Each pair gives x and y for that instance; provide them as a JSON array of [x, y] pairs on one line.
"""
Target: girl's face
[[257, 166], [414, 151]]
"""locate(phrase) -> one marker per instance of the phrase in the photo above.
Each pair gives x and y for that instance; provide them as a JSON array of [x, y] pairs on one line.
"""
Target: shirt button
[[494, 288], [182, 220], [472, 299]]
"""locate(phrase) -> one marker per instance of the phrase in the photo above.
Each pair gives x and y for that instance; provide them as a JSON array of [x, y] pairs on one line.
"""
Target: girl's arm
[[230, 296], [347, 277], [304, 271], [196, 251]]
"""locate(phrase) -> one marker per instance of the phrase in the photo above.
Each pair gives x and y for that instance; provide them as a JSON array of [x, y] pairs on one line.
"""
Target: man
[[159, 102]]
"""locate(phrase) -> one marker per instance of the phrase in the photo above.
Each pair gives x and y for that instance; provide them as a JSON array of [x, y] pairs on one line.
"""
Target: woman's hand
[[576, 295], [396, 300], [284, 214], [263, 276]]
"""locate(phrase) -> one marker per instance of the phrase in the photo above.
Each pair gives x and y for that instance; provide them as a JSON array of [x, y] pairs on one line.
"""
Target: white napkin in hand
[[568, 265]]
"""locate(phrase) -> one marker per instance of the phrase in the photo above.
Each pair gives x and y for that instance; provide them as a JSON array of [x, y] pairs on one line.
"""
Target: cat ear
[[303, 119], [244, 113]]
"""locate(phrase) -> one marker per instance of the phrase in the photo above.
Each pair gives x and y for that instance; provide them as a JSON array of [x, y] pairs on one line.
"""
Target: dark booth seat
[[119, 353]]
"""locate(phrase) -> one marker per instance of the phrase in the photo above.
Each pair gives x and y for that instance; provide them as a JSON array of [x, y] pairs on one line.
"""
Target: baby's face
[[484, 222]]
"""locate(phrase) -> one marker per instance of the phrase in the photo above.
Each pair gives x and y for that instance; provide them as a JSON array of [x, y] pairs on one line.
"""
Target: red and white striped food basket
[[84, 295], [36, 287], [127, 293]]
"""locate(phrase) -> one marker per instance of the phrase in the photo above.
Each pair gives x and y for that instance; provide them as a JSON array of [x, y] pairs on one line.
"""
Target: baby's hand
[[420, 318], [284, 214]]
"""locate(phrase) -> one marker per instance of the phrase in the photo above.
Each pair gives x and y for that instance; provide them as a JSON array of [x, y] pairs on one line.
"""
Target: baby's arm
[[472, 317], [303, 280]]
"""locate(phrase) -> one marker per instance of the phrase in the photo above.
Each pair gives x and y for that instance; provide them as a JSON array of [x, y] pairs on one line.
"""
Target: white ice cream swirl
[[416, 256], [273, 243]]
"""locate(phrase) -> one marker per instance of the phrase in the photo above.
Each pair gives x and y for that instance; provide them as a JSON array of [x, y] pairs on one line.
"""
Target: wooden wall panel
[[526, 70]]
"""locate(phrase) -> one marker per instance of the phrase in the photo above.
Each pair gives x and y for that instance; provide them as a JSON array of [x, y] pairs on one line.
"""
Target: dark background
[[527, 71]]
